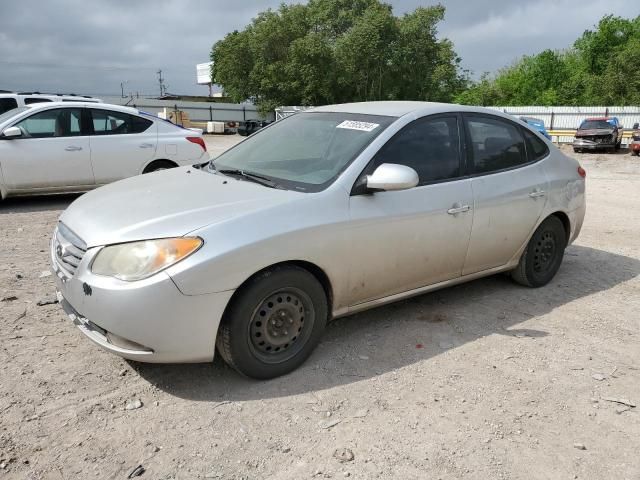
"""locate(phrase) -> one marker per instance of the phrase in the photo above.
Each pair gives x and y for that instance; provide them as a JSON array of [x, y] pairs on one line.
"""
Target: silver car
[[320, 215]]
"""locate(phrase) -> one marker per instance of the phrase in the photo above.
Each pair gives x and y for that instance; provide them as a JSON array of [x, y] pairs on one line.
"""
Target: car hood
[[170, 203], [595, 131]]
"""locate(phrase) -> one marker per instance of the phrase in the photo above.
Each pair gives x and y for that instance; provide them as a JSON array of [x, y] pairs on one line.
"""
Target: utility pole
[[122, 88], [163, 88]]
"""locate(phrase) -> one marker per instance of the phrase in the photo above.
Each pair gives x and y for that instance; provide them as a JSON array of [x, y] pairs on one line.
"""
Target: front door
[[53, 152], [402, 240]]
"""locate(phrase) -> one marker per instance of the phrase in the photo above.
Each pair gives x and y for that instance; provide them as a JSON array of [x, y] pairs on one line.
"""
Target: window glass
[[59, 122], [536, 148], [139, 124], [108, 122], [495, 144], [430, 146], [31, 100], [305, 151], [7, 104]]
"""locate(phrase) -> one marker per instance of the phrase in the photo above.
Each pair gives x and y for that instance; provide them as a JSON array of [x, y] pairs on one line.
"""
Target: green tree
[[600, 69], [332, 51]]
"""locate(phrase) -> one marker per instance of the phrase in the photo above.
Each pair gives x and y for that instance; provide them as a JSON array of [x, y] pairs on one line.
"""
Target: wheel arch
[[566, 222], [149, 166], [310, 267]]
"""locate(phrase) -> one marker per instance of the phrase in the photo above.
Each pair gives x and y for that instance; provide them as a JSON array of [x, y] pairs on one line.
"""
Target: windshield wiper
[[249, 176]]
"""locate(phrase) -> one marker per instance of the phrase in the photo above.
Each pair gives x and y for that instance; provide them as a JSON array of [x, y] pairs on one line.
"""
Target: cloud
[[66, 45]]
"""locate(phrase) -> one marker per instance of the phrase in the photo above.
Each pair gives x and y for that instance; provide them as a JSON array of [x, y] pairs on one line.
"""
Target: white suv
[[76, 146], [10, 100]]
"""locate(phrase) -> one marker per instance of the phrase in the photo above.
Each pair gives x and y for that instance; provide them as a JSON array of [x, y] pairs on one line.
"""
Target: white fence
[[557, 119]]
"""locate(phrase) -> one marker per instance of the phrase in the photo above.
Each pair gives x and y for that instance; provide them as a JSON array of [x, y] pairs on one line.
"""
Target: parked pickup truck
[[598, 133]]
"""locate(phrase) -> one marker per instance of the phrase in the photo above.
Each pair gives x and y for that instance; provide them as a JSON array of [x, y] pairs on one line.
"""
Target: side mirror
[[391, 176], [12, 132]]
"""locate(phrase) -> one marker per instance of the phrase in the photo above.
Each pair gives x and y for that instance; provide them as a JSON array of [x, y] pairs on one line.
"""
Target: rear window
[[536, 148], [7, 104]]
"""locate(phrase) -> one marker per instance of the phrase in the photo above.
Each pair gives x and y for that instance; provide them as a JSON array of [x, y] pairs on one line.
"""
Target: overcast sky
[[91, 47]]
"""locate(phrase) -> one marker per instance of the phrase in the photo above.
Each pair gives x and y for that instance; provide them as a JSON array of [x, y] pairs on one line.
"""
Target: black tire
[[542, 257], [274, 323], [618, 145], [159, 165], [575, 150]]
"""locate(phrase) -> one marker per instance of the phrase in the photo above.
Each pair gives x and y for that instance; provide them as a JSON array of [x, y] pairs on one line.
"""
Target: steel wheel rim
[[544, 252], [281, 325]]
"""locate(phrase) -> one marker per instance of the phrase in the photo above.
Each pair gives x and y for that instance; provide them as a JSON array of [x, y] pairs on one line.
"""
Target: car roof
[[399, 108], [105, 106]]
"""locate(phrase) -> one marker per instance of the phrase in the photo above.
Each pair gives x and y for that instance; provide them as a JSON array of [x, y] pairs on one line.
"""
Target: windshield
[[595, 124], [306, 151], [11, 113]]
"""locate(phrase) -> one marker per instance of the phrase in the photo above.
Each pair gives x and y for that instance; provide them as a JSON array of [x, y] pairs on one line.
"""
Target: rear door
[[402, 240], [121, 144], [509, 189], [52, 152]]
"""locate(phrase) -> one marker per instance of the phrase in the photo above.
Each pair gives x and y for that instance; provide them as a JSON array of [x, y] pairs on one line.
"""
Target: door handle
[[73, 148], [146, 145], [457, 208], [537, 193]]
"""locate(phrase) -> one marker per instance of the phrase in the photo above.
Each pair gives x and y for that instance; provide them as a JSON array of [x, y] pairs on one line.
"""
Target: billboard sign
[[203, 73]]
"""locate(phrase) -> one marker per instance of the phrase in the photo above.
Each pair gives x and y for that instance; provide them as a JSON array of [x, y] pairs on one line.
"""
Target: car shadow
[[381, 340], [39, 203]]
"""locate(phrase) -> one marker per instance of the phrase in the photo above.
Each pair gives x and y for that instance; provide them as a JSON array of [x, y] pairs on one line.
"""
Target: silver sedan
[[320, 215]]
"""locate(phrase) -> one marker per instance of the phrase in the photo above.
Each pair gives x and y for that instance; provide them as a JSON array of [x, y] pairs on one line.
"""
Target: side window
[[58, 122], [536, 148], [495, 144], [139, 124], [108, 122], [7, 104], [430, 146], [32, 100]]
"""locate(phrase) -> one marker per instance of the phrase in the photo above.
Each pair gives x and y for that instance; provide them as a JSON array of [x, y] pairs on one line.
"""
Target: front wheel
[[542, 257], [274, 322]]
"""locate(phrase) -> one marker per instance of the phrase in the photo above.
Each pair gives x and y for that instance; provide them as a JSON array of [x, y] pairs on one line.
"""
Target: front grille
[[602, 139], [68, 249]]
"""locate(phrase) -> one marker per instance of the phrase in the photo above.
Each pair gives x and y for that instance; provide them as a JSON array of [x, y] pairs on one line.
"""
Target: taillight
[[198, 141], [582, 172]]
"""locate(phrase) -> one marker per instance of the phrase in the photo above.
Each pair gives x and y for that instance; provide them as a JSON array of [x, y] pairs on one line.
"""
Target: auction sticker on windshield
[[362, 126]]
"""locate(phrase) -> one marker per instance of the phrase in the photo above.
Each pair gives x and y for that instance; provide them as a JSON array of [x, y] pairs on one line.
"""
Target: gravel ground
[[484, 380]]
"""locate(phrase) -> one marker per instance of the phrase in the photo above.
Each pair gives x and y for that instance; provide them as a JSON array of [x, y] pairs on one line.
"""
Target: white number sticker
[[362, 126]]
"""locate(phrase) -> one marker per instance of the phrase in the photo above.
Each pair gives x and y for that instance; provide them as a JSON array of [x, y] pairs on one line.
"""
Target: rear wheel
[[542, 257], [274, 323]]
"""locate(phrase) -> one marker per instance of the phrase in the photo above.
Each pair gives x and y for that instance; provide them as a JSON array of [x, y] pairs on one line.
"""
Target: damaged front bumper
[[586, 144]]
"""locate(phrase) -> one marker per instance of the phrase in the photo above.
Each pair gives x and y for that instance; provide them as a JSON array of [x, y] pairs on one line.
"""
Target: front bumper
[[591, 145], [148, 321]]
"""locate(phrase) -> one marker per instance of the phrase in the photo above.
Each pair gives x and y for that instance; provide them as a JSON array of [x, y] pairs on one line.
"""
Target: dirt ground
[[486, 380]]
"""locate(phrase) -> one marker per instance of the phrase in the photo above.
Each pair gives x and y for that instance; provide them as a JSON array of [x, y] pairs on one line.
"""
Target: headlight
[[138, 260]]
